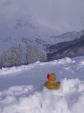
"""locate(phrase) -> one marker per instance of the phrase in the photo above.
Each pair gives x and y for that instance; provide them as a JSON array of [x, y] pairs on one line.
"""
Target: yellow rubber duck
[[52, 83]]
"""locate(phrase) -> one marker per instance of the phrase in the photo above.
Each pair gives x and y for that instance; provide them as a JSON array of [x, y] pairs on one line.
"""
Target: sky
[[58, 15]]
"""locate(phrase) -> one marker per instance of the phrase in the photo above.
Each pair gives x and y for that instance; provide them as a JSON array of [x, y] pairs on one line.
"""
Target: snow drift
[[21, 88], [23, 99]]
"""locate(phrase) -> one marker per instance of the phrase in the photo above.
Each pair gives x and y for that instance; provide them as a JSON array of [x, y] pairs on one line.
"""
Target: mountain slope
[[19, 51], [71, 48], [65, 37]]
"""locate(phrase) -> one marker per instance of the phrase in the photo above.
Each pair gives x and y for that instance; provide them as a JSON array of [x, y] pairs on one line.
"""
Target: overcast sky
[[60, 15]]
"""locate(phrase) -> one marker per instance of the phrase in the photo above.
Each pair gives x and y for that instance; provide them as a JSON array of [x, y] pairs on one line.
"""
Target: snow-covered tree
[[21, 54]]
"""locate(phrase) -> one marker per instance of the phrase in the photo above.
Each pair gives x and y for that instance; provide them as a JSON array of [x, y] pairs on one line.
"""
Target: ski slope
[[21, 88]]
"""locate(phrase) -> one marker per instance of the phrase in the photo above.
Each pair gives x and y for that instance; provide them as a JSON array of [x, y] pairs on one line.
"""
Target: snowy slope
[[21, 88]]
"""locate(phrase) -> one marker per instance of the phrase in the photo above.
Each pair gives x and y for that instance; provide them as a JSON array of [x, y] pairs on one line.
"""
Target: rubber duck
[[52, 83]]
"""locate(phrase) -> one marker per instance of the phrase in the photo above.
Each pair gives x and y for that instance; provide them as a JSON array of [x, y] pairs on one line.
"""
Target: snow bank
[[21, 88], [24, 99], [61, 62], [12, 70]]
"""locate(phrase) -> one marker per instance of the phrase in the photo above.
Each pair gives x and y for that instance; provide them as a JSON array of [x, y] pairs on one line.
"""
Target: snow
[[69, 99], [22, 91]]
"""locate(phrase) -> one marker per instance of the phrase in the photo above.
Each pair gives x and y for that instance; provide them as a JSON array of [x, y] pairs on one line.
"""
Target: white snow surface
[[22, 91]]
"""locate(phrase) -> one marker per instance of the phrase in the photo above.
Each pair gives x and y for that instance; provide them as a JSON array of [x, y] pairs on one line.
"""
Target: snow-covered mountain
[[27, 47], [22, 91], [65, 37], [19, 30], [70, 48]]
